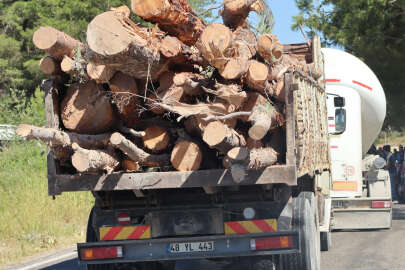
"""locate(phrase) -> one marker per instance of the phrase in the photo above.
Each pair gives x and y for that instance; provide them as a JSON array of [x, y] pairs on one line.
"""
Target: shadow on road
[[66, 265], [398, 213]]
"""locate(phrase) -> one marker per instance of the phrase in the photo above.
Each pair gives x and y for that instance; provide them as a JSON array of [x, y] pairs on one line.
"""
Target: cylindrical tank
[[345, 69]]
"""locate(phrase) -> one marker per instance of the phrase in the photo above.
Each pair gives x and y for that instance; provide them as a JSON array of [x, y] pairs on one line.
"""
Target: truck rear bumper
[[158, 249], [357, 213]]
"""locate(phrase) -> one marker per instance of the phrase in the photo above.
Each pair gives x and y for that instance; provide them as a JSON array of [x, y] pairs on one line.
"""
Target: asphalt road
[[357, 250]]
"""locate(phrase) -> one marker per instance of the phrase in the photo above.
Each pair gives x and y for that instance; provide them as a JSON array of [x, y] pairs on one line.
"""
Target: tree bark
[[156, 139], [137, 154], [86, 110], [50, 66], [100, 73], [115, 40], [217, 135], [93, 160], [57, 137], [175, 17], [55, 42], [261, 119], [124, 91], [186, 156]]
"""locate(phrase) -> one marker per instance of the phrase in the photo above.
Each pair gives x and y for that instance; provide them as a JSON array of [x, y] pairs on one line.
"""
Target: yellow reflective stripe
[[250, 227], [272, 223], [124, 233], [104, 231], [146, 234]]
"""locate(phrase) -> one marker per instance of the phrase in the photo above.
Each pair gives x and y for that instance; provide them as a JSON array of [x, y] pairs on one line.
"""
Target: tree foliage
[[370, 29]]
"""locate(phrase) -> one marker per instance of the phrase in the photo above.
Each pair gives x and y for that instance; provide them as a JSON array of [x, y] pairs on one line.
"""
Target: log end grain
[[156, 138], [49, 65], [214, 133], [238, 153], [45, 38], [186, 156]]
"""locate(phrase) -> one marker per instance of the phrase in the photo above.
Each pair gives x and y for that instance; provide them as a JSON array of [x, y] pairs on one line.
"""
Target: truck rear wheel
[[305, 222]]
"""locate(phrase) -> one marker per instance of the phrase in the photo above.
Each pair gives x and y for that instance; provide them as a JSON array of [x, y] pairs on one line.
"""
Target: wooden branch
[[57, 137], [93, 160], [226, 117], [131, 131], [137, 154]]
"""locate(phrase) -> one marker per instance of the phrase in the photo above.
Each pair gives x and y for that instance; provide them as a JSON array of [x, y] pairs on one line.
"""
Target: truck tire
[[326, 241], [305, 222]]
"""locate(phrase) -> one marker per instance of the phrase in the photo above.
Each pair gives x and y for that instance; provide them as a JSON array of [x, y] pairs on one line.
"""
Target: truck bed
[[306, 144]]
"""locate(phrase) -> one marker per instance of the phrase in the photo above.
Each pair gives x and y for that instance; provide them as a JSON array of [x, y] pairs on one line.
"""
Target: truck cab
[[361, 197]]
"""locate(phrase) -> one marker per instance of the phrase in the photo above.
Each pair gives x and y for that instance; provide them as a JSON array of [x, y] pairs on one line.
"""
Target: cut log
[[269, 48], [219, 136], [217, 49], [253, 99], [124, 95], [257, 75], [156, 138], [243, 159], [131, 131], [186, 156], [86, 110], [93, 160], [279, 90], [50, 66], [195, 125], [55, 42], [175, 17], [245, 43], [130, 165], [234, 69], [137, 154], [56, 137], [235, 12], [190, 82], [171, 47], [261, 119], [100, 73], [75, 68], [115, 40]]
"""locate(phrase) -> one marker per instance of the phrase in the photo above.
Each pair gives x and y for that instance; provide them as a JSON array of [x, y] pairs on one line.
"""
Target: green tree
[[370, 29]]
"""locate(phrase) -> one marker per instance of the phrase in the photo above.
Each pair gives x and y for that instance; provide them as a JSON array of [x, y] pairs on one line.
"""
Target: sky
[[283, 11]]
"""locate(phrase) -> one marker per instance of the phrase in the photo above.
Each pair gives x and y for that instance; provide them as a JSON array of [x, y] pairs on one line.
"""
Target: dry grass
[[30, 221]]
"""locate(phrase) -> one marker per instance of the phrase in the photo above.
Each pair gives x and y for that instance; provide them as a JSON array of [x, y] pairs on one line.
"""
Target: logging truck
[[151, 219], [361, 192]]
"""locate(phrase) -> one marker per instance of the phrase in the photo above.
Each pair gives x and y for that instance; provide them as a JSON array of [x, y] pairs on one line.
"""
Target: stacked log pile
[[182, 95]]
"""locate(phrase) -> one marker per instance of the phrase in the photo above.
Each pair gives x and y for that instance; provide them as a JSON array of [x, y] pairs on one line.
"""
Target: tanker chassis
[[151, 220]]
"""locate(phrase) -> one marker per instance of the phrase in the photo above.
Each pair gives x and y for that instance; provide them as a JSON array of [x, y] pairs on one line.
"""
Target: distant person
[[380, 151], [392, 171]]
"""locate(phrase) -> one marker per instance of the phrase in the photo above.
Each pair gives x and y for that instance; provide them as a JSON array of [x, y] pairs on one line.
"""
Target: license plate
[[191, 247]]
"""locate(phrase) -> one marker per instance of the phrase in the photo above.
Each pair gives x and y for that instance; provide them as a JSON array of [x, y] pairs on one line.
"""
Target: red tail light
[[381, 204], [271, 243], [124, 219], [101, 253]]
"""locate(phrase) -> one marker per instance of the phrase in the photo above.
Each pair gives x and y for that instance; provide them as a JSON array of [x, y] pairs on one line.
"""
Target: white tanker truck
[[361, 193]]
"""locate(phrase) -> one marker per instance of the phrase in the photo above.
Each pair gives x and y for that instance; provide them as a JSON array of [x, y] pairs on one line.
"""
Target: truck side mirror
[[339, 101]]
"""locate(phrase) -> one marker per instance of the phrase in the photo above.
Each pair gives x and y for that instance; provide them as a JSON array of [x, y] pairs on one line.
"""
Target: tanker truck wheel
[[305, 221]]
